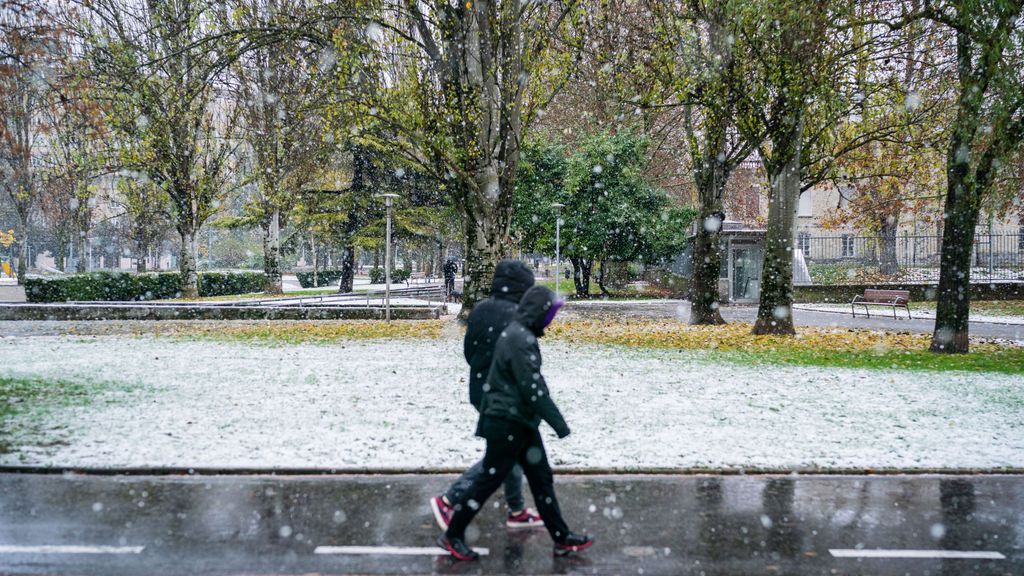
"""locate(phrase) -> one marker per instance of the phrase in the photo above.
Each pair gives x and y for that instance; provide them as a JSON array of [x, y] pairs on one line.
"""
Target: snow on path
[[402, 403]]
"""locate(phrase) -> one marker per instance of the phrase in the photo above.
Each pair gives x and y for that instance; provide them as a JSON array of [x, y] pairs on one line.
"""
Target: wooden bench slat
[[881, 297]]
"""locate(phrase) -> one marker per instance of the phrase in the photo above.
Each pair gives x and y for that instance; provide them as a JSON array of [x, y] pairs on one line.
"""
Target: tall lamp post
[[388, 200], [558, 245]]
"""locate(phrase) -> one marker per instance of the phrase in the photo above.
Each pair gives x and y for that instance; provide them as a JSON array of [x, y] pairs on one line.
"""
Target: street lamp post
[[558, 245], [388, 200]]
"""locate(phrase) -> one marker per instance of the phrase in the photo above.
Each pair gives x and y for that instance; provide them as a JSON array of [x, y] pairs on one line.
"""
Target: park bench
[[419, 278], [891, 298]]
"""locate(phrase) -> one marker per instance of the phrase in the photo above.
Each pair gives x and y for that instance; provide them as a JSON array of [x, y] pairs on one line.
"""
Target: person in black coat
[[488, 319], [450, 270], [515, 401]]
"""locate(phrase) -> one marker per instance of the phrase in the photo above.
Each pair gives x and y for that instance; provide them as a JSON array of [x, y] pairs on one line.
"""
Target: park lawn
[[811, 347], [732, 343], [24, 402], [298, 332]]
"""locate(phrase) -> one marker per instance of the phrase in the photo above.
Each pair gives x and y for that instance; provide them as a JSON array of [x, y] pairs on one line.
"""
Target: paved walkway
[[680, 310], [678, 525]]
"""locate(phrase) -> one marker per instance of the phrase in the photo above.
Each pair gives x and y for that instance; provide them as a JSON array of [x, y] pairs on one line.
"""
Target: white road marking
[[389, 550], [955, 554], [6, 549]]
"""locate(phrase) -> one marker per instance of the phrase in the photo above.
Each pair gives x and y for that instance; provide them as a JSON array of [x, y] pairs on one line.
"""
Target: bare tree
[[281, 91], [162, 80]]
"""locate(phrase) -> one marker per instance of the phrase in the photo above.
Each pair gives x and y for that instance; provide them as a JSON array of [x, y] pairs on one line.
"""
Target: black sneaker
[[457, 548], [573, 543]]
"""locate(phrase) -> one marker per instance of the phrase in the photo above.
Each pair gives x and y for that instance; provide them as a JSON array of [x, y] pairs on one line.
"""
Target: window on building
[[803, 242], [1020, 238], [847, 245], [804, 207]]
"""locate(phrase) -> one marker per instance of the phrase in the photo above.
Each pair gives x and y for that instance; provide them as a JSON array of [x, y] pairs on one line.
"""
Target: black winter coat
[[489, 318], [515, 389]]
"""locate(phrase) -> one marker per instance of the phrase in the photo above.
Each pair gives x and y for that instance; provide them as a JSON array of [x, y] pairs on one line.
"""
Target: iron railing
[[854, 259]]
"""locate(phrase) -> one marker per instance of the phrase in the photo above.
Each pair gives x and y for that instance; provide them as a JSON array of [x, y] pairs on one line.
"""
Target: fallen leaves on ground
[[308, 331], [732, 337]]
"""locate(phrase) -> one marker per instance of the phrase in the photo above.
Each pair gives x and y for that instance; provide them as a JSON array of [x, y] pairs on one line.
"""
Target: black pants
[[449, 285], [523, 445]]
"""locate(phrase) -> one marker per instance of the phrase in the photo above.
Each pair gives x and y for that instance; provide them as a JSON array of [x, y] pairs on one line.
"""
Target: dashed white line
[[11, 549], [389, 550], [951, 554]]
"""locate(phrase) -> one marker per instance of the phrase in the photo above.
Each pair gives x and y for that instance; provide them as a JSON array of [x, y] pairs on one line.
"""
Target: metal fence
[[851, 259]]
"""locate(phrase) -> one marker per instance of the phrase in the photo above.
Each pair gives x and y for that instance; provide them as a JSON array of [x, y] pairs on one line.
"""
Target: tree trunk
[[23, 253], [272, 254], [581, 268], [142, 250], [888, 264], [775, 309], [187, 264], [348, 269], [952, 309], [60, 260], [707, 266], [484, 248], [601, 278], [313, 254], [710, 175], [83, 252]]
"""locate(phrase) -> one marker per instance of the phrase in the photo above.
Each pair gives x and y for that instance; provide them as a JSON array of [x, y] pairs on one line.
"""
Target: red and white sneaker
[[573, 543], [442, 512], [457, 548], [524, 519]]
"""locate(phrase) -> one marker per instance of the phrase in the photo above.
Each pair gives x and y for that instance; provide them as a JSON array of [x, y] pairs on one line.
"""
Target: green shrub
[[323, 278], [125, 286], [399, 275]]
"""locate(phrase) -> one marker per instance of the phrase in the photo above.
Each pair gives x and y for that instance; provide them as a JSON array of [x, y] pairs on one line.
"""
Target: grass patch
[[316, 331], [811, 347], [24, 401]]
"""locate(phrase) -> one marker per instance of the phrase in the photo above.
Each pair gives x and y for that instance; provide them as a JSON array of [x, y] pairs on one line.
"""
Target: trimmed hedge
[[323, 278], [398, 275], [126, 286]]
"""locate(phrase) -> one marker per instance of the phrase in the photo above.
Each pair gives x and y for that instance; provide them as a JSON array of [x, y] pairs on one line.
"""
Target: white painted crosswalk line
[[389, 550], [59, 549], [950, 554]]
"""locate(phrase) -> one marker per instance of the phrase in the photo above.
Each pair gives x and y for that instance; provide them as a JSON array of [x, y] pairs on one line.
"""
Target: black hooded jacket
[[488, 318], [515, 389]]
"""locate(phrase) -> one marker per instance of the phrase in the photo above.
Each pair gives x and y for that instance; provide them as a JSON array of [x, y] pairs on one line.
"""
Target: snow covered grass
[[28, 403], [401, 402]]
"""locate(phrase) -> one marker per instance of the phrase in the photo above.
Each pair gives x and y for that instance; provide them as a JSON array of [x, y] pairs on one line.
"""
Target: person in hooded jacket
[[450, 269], [515, 400], [488, 319]]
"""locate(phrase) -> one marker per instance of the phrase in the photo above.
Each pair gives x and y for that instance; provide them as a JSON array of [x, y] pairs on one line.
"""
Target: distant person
[[487, 320], [450, 270], [515, 400]]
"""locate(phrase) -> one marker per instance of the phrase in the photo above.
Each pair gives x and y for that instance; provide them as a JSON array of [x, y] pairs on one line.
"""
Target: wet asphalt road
[[679, 525]]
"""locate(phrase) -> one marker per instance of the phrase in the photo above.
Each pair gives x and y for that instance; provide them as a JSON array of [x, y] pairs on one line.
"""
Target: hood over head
[[537, 309], [511, 280]]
